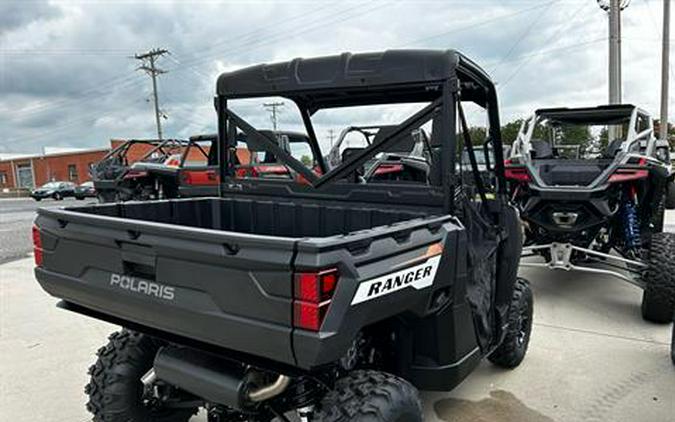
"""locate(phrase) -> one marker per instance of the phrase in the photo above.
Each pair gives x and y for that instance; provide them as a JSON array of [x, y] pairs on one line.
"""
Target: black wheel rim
[[523, 328]]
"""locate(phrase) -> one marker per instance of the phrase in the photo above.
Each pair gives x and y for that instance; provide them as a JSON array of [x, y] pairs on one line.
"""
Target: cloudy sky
[[67, 79]]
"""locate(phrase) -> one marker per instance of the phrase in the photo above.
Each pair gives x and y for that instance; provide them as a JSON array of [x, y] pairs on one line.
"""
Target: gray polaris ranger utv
[[332, 298]]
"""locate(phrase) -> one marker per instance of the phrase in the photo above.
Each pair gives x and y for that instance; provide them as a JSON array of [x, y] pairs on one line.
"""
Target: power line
[[148, 65], [477, 24], [524, 35], [553, 36], [257, 42]]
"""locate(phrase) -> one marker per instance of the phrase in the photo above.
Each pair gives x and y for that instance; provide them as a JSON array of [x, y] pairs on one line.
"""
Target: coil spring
[[631, 225]]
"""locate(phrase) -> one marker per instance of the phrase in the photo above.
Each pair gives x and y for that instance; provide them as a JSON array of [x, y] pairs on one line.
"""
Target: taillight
[[516, 172], [628, 174], [242, 172], [313, 293], [37, 245]]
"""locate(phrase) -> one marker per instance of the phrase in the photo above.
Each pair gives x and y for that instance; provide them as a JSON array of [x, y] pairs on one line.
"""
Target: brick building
[[31, 170]]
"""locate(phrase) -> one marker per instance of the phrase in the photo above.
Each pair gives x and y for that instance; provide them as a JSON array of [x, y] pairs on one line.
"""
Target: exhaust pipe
[[212, 378], [272, 390]]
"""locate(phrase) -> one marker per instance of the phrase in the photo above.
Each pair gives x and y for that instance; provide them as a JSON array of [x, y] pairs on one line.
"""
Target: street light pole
[[665, 69]]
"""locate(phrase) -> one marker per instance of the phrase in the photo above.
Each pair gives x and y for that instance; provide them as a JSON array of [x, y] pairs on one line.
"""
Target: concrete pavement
[[591, 358]]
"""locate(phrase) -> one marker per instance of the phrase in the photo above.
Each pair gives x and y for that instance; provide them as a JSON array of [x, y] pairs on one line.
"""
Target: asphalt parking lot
[[16, 219], [592, 357]]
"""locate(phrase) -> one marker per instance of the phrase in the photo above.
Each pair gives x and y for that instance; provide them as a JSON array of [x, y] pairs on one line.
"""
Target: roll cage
[[115, 164], [638, 142], [441, 79]]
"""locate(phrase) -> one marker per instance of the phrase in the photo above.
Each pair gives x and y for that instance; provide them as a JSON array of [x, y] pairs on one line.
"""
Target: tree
[[575, 134], [306, 160], [510, 131]]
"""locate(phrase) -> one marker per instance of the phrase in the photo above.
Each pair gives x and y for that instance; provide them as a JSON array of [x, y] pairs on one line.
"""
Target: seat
[[541, 149], [613, 148], [357, 176]]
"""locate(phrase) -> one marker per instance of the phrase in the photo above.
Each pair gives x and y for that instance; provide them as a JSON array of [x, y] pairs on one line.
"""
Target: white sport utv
[[591, 184]]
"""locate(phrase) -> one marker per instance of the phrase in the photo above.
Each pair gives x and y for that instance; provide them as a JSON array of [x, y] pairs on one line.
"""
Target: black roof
[[604, 114], [352, 79]]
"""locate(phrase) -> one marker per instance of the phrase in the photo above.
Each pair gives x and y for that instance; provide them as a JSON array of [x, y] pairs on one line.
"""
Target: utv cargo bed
[[220, 270]]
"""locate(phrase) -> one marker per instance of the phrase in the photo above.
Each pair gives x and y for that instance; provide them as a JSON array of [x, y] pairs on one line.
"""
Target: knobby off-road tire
[[512, 351], [658, 299], [115, 390], [370, 396], [670, 195], [659, 216]]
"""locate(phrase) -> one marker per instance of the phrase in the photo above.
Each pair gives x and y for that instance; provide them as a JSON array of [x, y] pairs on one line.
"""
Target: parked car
[[603, 213], [54, 190], [85, 190], [329, 298]]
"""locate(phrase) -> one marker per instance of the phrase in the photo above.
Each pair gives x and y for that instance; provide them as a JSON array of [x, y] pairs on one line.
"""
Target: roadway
[[16, 219]]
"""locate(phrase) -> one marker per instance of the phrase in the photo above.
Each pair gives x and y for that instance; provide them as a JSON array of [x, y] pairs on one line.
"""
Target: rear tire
[[115, 390], [370, 396], [670, 195], [659, 216], [658, 299], [512, 351]]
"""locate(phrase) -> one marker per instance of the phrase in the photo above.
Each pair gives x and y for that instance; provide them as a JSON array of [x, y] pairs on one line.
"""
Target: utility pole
[[148, 65], [331, 136], [272, 108], [665, 69], [614, 9]]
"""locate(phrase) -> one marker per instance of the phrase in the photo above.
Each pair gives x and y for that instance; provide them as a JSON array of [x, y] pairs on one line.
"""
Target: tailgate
[[224, 288]]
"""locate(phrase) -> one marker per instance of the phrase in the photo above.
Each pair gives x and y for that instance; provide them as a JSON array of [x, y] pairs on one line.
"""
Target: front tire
[[658, 299], [115, 390], [512, 351], [371, 396]]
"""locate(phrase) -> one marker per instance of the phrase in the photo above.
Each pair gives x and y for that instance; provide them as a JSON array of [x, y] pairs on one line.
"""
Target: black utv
[[591, 187], [332, 298]]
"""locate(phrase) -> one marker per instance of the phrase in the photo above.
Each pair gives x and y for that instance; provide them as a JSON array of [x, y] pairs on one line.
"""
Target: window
[[72, 172], [3, 178]]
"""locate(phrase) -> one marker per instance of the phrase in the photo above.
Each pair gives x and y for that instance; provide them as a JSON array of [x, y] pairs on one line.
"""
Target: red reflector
[[309, 316], [37, 246], [316, 287]]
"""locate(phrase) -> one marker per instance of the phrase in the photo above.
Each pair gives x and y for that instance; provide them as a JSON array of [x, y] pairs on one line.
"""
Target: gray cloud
[[15, 14], [68, 80]]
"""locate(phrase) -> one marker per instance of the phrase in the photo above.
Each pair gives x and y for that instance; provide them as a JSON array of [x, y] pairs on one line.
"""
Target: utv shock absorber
[[631, 225]]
